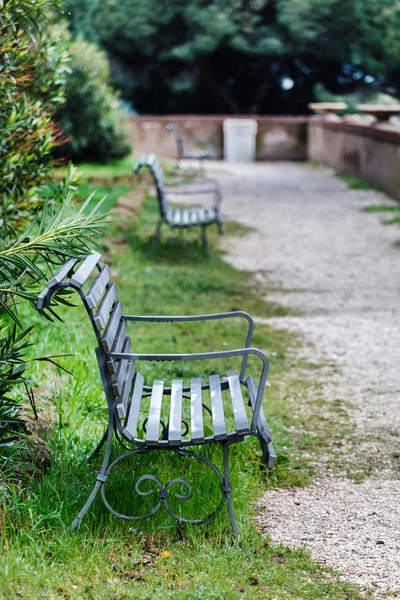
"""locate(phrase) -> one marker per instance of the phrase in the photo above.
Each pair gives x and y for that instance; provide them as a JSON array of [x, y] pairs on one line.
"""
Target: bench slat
[[79, 278], [239, 411], [210, 214], [262, 425], [98, 287], [105, 306], [185, 217], [112, 327], [153, 424], [175, 415], [217, 407], [123, 399], [202, 215], [196, 410], [168, 214], [117, 345], [62, 272], [118, 381], [193, 217], [43, 300], [134, 410], [177, 216]]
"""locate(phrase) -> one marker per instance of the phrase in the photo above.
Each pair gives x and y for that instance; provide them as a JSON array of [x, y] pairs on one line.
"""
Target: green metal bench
[[231, 402], [181, 218]]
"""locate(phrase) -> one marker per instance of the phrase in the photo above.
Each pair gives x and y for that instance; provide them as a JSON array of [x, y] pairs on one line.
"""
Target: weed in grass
[[157, 558], [354, 182], [382, 208]]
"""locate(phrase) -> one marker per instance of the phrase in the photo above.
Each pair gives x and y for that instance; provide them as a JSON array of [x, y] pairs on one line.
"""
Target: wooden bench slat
[[79, 278], [134, 408], [98, 287], [123, 399], [118, 381], [202, 215], [153, 424], [193, 217], [239, 410], [217, 407], [175, 414], [105, 307], [62, 272], [196, 410], [112, 327]]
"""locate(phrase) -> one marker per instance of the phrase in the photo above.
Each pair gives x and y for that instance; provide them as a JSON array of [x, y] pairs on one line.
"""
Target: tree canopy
[[243, 56]]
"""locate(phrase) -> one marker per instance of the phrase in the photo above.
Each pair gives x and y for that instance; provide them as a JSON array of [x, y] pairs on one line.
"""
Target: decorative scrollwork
[[163, 491]]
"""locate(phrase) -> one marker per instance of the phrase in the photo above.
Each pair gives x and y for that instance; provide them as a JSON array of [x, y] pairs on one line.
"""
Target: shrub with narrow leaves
[[38, 227]]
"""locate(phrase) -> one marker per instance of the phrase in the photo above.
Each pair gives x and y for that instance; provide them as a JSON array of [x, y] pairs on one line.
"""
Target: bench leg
[[99, 446], [227, 490], [101, 476], [204, 236], [157, 235]]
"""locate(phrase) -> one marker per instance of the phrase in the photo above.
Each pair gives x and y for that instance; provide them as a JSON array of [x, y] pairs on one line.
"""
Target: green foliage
[[239, 56], [38, 228], [91, 116]]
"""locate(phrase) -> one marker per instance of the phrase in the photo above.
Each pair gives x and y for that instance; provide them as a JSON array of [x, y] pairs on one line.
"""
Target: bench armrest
[[215, 192], [183, 182], [210, 355], [212, 317]]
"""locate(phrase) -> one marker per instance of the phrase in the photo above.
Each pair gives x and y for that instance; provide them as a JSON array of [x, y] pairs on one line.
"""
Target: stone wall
[[370, 152], [278, 138]]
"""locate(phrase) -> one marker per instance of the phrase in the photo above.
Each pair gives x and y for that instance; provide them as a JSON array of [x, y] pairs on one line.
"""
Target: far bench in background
[[183, 218], [151, 416], [182, 148]]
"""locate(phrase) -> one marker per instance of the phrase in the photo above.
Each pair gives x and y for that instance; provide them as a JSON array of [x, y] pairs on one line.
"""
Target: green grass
[[156, 559], [394, 209], [354, 182], [114, 168], [110, 193]]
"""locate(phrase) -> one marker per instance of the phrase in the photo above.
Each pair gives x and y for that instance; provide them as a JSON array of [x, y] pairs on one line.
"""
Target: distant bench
[[183, 218], [182, 151], [149, 416]]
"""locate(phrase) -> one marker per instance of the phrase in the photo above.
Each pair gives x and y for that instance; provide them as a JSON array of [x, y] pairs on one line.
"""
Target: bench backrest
[[99, 296], [173, 127], [150, 161]]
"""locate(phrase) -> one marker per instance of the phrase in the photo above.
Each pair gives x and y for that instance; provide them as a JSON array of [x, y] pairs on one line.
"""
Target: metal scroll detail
[[164, 490]]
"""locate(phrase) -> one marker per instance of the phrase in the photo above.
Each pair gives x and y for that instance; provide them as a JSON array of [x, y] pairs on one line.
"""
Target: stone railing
[[371, 152], [278, 138]]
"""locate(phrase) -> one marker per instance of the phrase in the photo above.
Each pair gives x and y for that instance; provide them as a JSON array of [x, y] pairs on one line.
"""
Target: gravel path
[[338, 269]]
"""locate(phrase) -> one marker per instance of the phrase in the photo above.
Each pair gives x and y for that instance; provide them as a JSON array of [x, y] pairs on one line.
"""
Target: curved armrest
[[183, 182], [211, 317], [209, 355]]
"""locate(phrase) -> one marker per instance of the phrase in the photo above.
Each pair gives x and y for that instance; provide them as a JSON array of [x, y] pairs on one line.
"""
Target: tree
[[239, 55], [38, 228]]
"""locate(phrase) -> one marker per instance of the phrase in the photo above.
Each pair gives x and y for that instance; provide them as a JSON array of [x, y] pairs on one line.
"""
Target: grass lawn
[[154, 559]]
